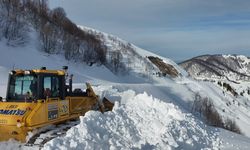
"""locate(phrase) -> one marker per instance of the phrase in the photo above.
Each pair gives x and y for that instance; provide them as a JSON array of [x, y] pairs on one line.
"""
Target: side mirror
[[1, 99]]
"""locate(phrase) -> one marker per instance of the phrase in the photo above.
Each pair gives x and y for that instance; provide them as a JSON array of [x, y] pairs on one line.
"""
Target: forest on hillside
[[57, 34]]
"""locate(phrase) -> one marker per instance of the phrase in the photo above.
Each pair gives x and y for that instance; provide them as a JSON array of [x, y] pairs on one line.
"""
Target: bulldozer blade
[[107, 104]]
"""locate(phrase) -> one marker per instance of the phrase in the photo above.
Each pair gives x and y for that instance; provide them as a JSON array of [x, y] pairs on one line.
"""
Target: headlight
[[27, 72]]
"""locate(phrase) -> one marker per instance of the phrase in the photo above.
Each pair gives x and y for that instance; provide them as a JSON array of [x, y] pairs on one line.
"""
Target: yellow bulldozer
[[40, 97]]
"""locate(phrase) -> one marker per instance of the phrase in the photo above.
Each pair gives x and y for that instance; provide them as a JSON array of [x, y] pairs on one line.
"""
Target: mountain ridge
[[230, 67]]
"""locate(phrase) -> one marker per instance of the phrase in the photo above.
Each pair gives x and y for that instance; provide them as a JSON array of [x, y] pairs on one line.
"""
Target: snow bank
[[142, 122], [10, 145]]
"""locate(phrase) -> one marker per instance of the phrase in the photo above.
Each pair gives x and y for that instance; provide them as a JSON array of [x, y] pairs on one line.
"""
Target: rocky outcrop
[[166, 69]]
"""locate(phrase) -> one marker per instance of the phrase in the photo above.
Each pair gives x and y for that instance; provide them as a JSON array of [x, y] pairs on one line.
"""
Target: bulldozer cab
[[33, 85]]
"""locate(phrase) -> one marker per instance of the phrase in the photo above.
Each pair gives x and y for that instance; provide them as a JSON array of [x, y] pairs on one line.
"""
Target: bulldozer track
[[41, 138]]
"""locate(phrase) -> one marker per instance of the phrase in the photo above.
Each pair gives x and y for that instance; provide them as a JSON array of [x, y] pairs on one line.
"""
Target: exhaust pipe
[[70, 83]]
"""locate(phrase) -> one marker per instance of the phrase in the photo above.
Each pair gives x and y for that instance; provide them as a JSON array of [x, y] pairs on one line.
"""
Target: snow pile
[[139, 121]]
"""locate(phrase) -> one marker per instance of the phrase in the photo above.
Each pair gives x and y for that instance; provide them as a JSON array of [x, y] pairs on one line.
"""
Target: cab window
[[22, 87], [51, 86]]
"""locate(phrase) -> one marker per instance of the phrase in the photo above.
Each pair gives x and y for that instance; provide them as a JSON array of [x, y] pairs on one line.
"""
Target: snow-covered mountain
[[230, 72], [153, 109], [230, 67], [133, 59]]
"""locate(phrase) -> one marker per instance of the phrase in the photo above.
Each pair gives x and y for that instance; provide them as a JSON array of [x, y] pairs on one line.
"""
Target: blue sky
[[177, 29]]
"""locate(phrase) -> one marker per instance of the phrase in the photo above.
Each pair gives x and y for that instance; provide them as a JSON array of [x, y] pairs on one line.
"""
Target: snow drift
[[139, 121]]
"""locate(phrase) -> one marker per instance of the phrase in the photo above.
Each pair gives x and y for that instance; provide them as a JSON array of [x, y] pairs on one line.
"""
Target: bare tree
[[206, 109]]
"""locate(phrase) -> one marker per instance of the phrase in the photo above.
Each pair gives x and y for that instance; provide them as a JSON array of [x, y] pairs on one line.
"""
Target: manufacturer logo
[[12, 112]]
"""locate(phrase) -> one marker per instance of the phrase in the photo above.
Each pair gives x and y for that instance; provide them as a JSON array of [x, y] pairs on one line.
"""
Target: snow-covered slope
[[134, 58], [230, 73], [150, 112]]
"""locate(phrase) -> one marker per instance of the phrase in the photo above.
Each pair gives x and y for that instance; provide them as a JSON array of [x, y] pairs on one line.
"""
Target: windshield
[[22, 87]]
